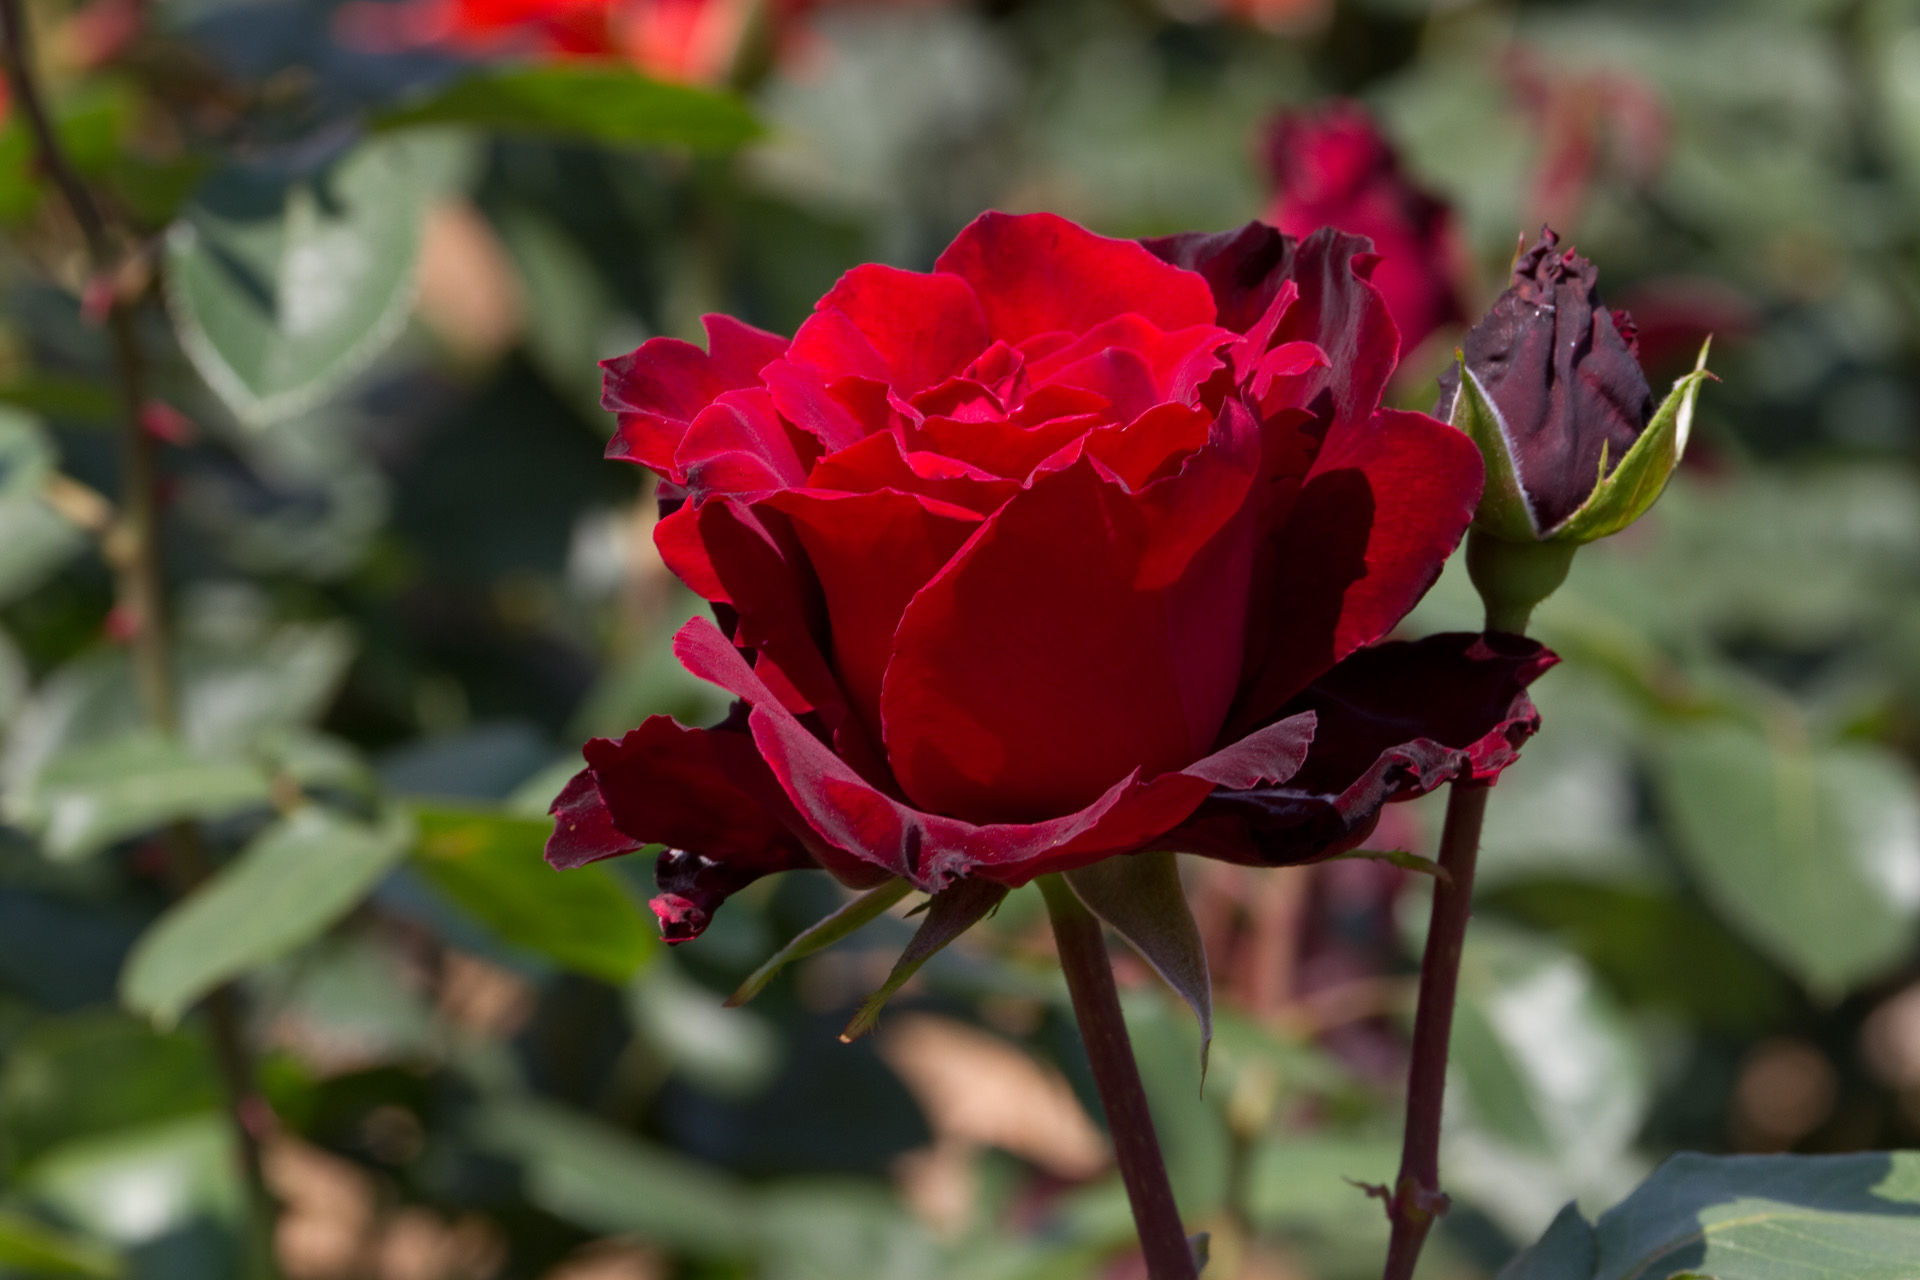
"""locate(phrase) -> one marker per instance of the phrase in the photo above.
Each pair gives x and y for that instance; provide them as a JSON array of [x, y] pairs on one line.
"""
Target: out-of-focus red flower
[[691, 41], [1071, 547], [1585, 120], [95, 34], [1332, 167]]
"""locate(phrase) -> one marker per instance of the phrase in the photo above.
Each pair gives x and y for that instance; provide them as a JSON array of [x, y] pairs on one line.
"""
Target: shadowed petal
[[1396, 721]]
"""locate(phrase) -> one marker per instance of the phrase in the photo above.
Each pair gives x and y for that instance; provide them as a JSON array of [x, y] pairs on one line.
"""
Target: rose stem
[[1096, 1006], [133, 549], [1416, 1201]]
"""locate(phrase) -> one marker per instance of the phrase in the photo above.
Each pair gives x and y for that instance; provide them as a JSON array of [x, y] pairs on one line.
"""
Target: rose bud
[[1069, 549], [1575, 449], [1332, 167]]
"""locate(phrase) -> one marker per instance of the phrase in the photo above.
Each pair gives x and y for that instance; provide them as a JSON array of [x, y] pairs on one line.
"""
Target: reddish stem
[[1096, 1006], [1416, 1202]]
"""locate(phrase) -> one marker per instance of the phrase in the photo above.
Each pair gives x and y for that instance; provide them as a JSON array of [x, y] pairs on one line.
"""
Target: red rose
[[1041, 558], [1332, 167]]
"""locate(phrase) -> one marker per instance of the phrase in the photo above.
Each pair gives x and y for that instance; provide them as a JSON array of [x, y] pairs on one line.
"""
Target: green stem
[[133, 549], [1103, 1029]]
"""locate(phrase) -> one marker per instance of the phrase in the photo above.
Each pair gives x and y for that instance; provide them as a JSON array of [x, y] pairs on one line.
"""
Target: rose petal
[[583, 829], [738, 445], [1337, 310], [1381, 509], [902, 328], [1039, 273], [1180, 362], [1395, 721], [1083, 632], [879, 462], [660, 388], [872, 552]]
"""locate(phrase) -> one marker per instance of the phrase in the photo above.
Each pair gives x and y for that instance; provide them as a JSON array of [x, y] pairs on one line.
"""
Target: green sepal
[[950, 913], [1624, 496], [824, 933], [1139, 897], [1503, 510]]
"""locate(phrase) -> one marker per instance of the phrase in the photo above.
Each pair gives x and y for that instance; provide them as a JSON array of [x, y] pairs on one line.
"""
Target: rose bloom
[[1332, 167], [1070, 548]]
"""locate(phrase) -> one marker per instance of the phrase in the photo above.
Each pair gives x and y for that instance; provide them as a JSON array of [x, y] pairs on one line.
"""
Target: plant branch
[[1415, 1202], [132, 547], [1103, 1029]]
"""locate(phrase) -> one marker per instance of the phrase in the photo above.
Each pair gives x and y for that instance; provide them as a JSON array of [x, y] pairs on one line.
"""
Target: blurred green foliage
[[406, 586]]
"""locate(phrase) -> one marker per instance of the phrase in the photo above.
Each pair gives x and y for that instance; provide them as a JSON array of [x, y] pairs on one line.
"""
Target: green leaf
[[587, 1173], [1633, 486], [861, 910], [493, 866], [97, 1072], [32, 1248], [34, 539], [88, 797], [281, 289], [729, 1052], [950, 913], [284, 890], [1810, 852], [1503, 510], [1849, 1217], [26, 455], [599, 103], [1566, 1250], [75, 399], [1140, 898], [1653, 947], [1549, 1083], [135, 1185]]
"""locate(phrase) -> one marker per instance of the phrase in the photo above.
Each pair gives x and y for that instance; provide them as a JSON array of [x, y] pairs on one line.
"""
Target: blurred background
[[371, 289]]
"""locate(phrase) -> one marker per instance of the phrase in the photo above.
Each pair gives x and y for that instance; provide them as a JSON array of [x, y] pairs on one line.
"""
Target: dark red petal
[[659, 389], [1382, 508], [1119, 377], [1037, 272], [854, 821], [837, 422], [1337, 310], [1008, 449], [1395, 721], [902, 328], [1155, 444], [933, 850], [583, 829], [677, 538], [879, 462], [770, 584], [1178, 362], [705, 794], [872, 552], [1083, 633], [705, 790], [739, 445]]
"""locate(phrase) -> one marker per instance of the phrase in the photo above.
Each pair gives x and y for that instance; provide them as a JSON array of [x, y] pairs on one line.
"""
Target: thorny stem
[[1103, 1029], [133, 549], [1415, 1200]]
